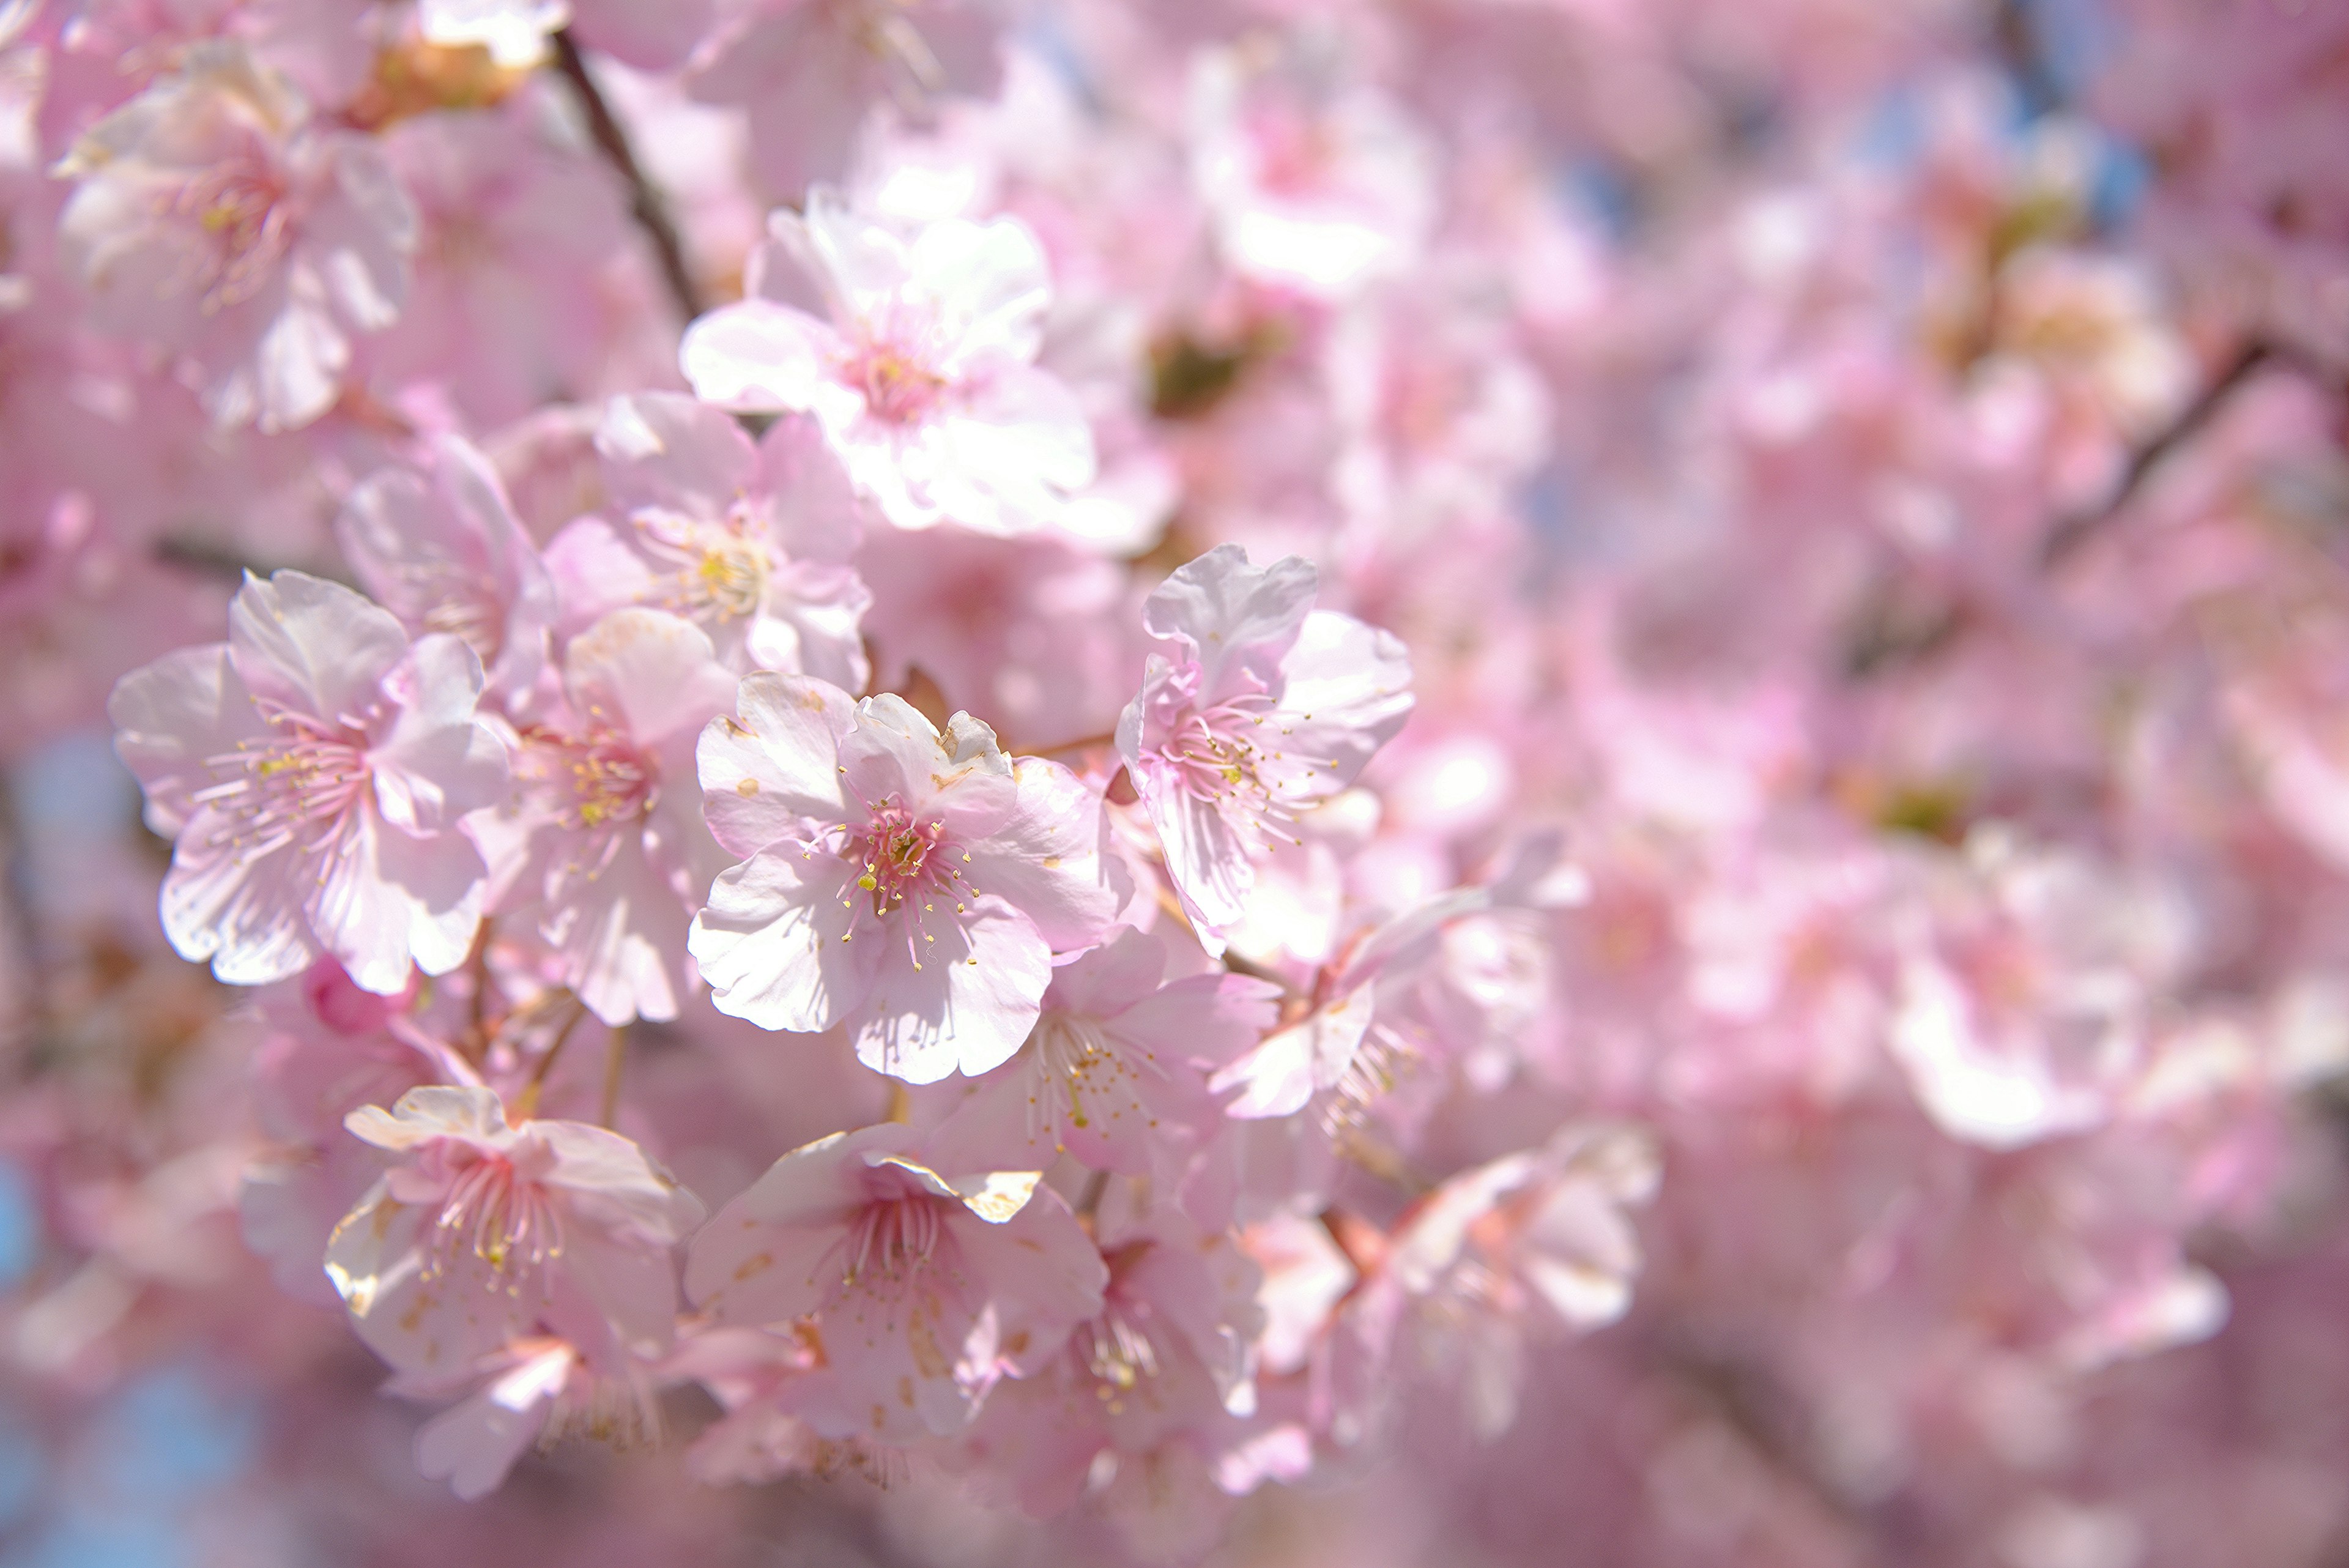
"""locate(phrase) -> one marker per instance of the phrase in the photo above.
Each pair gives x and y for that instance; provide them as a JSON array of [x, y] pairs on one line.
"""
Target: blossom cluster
[[1019, 781]]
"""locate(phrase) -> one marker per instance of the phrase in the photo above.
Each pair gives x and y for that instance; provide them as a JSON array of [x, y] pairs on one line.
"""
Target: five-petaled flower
[[923, 377], [908, 884], [313, 770], [484, 1232], [928, 1287], [1261, 707]]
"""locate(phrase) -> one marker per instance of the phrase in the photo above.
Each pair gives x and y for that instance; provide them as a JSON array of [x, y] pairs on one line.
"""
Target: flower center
[[898, 388], [503, 1218], [890, 1242], [1118, 1347], [721, 568], [274, 792], [896, 851], [1214, 756], [611, 782], [239, 209], [463, 611], [1076, 1061]]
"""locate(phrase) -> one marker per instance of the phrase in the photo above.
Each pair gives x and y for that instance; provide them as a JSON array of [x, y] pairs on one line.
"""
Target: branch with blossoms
[[1126, 767]]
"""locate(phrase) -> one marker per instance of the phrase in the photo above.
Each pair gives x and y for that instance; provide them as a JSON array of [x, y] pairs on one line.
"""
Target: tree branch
[[2066, 539], [644, 201]]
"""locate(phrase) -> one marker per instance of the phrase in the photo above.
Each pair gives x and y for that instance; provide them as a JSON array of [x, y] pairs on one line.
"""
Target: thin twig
[[526, 1103], [644, 201], [2066, 537], [1088, 1202]]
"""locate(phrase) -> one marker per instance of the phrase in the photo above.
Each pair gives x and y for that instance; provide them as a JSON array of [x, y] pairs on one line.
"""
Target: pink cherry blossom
[[921, 373], [437, 545], [929, 1288], [614, 853], [215, 219], [1314, 185], [1259, 708], [1115, 1071], [961, 870], [311, 771], [532, 1392], [484, 1232], [1529, 1243], [1166, 1359], [809, 70], [515, 31], [750, 543]]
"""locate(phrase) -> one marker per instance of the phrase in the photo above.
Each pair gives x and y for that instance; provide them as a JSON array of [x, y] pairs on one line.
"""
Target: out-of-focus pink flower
[[962, 870], [531, 1392], [528, 281], [809, 70], [750, 543], [216, 220], [1114, 1073], [1526, 1244], [1317, 181], [484, 1232], [1169, 1356], [2021, 1012], [436, 543], [312, 771], [608, 807], [922, 373], [515, 31], [1261, 707], [926, 1288]]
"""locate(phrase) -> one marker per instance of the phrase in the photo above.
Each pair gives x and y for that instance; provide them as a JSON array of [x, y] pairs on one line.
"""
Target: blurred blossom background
[[1649, 864]]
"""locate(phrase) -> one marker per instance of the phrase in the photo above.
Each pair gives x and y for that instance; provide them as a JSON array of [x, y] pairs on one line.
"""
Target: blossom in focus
[[311, 771], [1260, 707], [927, 1288], [436, 543], [1114, 1073], [922, 370], [484, 1232], [749, 542], [908, 884], [215, 218], [608, 812]]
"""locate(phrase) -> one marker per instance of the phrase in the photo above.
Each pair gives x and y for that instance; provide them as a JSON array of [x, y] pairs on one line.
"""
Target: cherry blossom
[[962, 870], [437, 545], [1530, 773], [807, 74], [1260, 707], [606, 823], [311, 771], [929, 1288], [750, 543], [216, 219], [485, 1231], [1115, 1071], [921, 373]]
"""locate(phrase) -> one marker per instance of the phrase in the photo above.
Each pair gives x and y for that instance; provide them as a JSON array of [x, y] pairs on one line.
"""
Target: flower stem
[[616, 1056]]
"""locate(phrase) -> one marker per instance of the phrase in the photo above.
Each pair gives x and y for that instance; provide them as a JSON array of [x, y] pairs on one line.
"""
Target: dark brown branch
[[644, 201], [2066, 539]]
